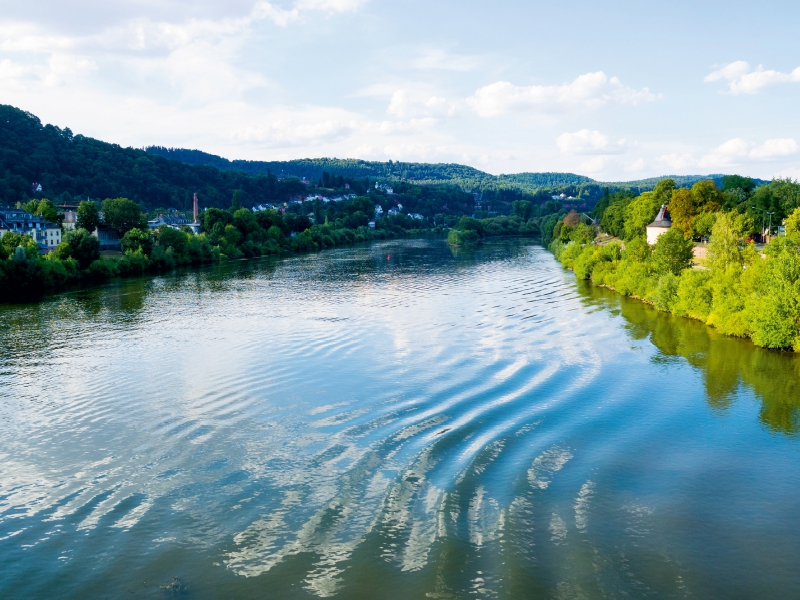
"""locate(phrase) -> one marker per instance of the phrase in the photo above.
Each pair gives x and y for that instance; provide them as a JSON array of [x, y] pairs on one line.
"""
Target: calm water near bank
[[399, 420]]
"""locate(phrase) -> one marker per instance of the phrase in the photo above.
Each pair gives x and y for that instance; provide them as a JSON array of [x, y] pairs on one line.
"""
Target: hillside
[[425, 173], [463, 176], [70, 166]]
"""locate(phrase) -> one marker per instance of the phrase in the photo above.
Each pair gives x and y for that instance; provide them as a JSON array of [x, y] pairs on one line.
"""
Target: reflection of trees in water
[[726, 363]]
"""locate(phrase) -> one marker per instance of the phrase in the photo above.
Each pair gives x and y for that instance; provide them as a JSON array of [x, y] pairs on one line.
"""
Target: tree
[[83, 247], [123, 215], [572, 218], [523, 209], [725, 247], [672, 252], [88, 216], [793, 226], [613, 219], [663, 190], [640, 213], [47, 210], [236, 202], [704, 223], [137, 239], [172, 238], [686, 207], [707, 196], [11, 241], [682, 211]]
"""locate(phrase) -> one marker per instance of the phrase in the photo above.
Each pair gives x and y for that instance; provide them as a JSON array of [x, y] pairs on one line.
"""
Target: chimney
[[195, 208]]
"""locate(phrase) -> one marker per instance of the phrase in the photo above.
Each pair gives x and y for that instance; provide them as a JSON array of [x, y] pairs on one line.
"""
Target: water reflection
[[400, 420], [726, 363]]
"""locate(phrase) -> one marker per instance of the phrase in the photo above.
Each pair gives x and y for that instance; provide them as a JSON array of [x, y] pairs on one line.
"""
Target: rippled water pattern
[[392, 421]]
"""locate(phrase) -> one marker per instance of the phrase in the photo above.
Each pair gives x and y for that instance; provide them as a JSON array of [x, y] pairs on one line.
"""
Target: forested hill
[[465, 177], [425, 173], [74, 166]]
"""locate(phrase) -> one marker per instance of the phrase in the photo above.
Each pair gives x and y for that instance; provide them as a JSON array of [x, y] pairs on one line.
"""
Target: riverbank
[[27, 276], [739, 291]]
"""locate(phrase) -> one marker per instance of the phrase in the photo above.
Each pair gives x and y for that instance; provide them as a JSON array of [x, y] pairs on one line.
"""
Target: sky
[[615, 90]]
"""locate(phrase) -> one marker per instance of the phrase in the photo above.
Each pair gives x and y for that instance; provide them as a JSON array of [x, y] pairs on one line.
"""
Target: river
[[399, 420]]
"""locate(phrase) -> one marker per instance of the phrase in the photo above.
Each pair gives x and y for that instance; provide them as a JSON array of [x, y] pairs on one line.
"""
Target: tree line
[[739, 289]]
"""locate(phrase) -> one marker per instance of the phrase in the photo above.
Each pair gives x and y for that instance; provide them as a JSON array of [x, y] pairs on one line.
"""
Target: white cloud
[[592, 90], [406, 104], [736, 151], [438, 59], [587, 141], [678, 162], [314, 126], [398, 127], [741, 80], [636, 166], [330, 5], [726, 154], [775, 148], [276, 14]]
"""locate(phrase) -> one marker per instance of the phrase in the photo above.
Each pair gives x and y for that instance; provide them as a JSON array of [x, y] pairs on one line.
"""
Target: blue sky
[[612, 90]]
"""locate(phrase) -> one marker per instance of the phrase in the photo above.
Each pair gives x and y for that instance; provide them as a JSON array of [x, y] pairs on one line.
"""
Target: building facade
[[658, 227], [46, 234]]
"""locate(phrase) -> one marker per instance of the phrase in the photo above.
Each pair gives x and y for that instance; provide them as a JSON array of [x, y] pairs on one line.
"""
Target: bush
[[83, 247], [101, 269]]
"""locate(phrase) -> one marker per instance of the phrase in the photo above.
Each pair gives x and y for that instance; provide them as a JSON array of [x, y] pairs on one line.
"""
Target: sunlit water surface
[[393, 421]]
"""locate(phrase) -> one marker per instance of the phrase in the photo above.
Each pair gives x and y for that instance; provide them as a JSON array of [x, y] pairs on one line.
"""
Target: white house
[[658, 227]]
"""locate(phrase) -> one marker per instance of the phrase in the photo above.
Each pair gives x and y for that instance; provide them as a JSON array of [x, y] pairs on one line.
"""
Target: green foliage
[[665, 296], [523, 209], [772, 310], [88, 217], [460, 238], [43, 208], [672, 253], [123, 215], [740, 292], [781, 197], [640, 213], [137, 240], [727, 240], [613, 218], [793, 226], [82, 246], [694, 295]]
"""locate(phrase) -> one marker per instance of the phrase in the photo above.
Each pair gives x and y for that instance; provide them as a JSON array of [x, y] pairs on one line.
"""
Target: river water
[[399, 420]]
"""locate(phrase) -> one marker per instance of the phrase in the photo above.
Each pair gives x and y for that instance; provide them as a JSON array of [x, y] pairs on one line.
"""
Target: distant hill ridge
[[449, 173]]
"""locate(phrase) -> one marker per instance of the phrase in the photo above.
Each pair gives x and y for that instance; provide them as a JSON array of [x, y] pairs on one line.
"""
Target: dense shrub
[[736, 289]]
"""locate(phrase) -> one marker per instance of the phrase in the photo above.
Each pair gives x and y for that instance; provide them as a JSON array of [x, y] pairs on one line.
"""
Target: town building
[[108, 238], [46, 234], [70, 221], [172, 221], [658, 227]]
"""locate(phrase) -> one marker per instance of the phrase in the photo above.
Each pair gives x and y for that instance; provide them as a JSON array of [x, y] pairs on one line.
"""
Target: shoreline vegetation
[[740, 288], [27, 275]]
